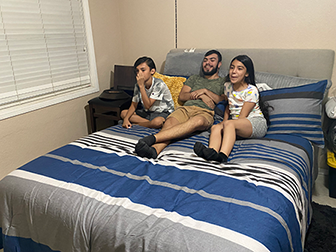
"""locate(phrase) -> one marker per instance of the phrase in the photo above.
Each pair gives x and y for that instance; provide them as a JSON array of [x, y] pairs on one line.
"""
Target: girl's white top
[[236, 100]]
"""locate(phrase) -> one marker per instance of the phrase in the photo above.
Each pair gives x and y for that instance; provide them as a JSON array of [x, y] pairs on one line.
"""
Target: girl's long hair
[[250, 79]]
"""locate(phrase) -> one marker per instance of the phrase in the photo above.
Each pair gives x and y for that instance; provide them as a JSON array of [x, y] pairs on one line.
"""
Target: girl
[[243, 116]]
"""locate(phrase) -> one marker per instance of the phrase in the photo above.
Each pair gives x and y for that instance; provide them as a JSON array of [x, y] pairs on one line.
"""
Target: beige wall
[[229, 24], [126, 29], [27, 136], [147, 29]]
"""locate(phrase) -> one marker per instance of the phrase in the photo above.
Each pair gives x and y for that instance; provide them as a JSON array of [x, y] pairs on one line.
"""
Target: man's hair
[[148, 61], [216, 52]]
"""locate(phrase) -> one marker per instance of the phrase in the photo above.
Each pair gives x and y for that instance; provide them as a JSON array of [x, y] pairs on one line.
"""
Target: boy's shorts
[[184, 113], [150, 115]]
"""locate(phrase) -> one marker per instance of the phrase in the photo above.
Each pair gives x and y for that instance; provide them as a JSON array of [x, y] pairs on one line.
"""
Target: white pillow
[[330, 108], [263, 87]]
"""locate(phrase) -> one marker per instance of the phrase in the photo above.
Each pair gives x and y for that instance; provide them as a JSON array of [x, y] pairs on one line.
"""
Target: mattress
[[95, 194]]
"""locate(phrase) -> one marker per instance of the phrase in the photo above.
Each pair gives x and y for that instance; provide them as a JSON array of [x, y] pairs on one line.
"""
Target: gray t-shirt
[[197, 82], [159, 92]]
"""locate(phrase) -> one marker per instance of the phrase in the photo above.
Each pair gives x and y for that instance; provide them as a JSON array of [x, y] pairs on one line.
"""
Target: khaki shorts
[[184, 113]]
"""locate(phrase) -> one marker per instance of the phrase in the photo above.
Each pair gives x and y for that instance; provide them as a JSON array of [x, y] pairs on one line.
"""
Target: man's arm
[[185, 94], [208, 97], [215, 97], [207, 100]]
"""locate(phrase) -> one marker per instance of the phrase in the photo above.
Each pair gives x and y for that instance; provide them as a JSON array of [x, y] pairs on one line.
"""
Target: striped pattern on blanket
[[107, 198]]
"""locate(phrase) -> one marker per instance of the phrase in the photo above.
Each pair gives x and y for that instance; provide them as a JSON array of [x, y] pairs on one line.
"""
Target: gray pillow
[[296, 111], [276, 81], [183, 63]]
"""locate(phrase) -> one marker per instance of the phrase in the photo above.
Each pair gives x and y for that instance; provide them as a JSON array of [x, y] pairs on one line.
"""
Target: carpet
[[321, 235]]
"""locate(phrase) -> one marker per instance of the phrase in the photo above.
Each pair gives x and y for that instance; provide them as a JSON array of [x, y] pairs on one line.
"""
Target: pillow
[[263, 87], [219, 111], [297, 111], [174, 84], [182, 63], [283, 81], [220, 108], [330, 108]]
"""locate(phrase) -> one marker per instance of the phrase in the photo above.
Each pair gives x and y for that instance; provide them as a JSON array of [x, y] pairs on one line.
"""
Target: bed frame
[[95, 194]]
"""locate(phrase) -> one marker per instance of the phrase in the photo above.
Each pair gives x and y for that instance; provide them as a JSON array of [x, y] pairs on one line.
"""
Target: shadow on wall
[[162, 67]]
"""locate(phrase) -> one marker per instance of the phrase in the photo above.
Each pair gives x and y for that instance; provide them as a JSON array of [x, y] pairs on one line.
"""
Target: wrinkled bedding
[[95, 194]]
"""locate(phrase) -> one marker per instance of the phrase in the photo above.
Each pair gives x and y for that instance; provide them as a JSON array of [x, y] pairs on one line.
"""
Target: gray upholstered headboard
[[307, 64], [304, 63]]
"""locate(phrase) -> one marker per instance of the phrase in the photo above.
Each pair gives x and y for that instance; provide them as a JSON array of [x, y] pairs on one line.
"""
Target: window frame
[[25, 106]]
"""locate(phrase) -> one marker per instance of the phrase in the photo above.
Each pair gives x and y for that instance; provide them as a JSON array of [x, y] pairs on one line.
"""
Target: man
[[200, 95]]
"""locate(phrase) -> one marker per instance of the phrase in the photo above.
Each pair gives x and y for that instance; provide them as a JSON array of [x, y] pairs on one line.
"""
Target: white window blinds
[[44, 50]]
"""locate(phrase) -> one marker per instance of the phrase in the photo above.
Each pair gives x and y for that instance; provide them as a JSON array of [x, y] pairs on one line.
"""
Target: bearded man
[[200, 95]]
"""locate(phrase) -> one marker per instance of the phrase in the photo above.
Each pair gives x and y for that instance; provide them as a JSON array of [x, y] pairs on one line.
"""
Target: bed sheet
[[95, 194]]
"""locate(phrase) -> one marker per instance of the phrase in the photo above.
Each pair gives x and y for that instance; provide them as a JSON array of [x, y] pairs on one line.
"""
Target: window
[[46, 54]]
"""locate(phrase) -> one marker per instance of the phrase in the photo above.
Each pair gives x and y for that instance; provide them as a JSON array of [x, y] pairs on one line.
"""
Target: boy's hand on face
[[140, 79]]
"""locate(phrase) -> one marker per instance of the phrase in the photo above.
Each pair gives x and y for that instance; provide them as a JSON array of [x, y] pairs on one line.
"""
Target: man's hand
[[127, 124], [208, 101], [197, 93], [224, 97]]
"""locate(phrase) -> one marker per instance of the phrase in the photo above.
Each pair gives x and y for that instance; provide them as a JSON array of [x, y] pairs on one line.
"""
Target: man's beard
[[212, 72]]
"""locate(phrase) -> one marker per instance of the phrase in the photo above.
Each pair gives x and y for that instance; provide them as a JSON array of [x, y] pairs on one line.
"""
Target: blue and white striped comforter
[[96, 195]]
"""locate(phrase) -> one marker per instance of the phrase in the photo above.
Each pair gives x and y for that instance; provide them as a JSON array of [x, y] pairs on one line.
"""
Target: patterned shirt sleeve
[[227, 88], [252, 94]]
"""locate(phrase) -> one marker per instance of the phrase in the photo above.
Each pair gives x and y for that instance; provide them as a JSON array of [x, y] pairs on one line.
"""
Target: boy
[[154, 95]]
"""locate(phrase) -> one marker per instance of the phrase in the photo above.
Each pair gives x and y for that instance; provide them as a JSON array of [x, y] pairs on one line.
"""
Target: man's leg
[[170, 123], [182, 130], [171, 130], [144, 146]]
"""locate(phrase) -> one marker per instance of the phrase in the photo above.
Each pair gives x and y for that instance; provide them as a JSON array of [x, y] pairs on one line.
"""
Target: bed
[[95, 194]]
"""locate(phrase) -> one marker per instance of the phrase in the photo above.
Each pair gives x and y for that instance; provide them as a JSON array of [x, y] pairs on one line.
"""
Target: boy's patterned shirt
[[159, 92]]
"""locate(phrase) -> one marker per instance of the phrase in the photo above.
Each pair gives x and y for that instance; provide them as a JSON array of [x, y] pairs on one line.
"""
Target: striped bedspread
[[95, 194]]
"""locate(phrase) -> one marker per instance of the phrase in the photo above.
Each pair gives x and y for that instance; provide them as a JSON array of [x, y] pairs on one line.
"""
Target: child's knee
[[157, 122], [123, 113], [229, 124], [217, 127]]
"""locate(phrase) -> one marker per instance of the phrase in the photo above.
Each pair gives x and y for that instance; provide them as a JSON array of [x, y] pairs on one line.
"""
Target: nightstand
[[110, 104], [106, 109]]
